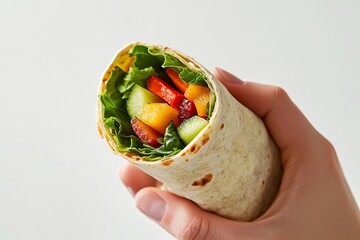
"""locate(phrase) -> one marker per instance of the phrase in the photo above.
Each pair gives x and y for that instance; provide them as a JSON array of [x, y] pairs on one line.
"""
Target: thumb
[[182, 218]]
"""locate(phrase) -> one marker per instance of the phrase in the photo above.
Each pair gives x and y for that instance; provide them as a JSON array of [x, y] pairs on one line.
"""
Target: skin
[[314, 200]]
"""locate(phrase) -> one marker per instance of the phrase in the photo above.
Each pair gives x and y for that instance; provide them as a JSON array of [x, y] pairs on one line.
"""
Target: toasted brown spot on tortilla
[[186, 160], [269, 169], [205, 140], [221, 126], [128, 154], [167, 162], [203, 181], [132, 155], [99, 130], [194, 148], [263, 183], [183, 154]]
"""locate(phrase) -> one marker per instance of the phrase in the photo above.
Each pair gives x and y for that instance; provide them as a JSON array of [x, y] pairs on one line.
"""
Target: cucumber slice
[[191, 127], [138, 98]]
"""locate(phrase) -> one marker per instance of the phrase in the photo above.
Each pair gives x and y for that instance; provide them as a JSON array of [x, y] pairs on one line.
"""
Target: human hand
[[314, 201]]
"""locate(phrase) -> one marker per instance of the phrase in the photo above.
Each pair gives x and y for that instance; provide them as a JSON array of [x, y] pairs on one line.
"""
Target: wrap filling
[[153, 104]]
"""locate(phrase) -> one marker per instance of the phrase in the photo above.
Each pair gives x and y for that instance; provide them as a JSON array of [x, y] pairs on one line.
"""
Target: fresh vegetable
[[190, 128], [134, 76], [115, 116], [178, 82], [200, 95], [187, 109], [158, 116], [195, 91], [201, 104], [138, 98], [171, 140], [165, 91], [125, 62], [147, 134], [120, 104]]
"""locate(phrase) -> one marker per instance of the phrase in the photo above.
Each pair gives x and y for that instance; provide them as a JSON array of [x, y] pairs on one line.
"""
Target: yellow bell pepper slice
[[158, 116]]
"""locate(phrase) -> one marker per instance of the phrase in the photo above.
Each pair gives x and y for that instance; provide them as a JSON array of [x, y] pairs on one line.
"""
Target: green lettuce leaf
[[115, 116], [189, 76], [171, 140], [144, 59], [135, 76]]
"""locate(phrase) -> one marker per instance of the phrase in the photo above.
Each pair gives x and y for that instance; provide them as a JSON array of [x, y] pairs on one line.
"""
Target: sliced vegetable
[[158, 116], [195, 91], [191, 127], [200, 95], [165, 91], [138, 98], [146, 134], [125, 62], [187, 110], [200, 104], [178, 82]]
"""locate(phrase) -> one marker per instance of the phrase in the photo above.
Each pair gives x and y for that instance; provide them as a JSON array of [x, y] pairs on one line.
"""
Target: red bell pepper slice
[[179, 83], [146, 134], [187, 110], [165, 91]]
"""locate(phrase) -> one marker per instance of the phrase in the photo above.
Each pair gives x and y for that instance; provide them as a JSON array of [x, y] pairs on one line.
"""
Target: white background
[[58, 180]]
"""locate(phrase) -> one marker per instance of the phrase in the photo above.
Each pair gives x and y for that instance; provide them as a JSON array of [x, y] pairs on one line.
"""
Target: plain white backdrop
[[58, 180]]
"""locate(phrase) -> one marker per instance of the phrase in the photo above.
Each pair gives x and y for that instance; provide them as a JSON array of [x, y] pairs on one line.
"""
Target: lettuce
[[135, 76], [148, 61]]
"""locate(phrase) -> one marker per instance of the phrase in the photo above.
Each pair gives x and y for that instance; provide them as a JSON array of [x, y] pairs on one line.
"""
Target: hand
[[314, 201]]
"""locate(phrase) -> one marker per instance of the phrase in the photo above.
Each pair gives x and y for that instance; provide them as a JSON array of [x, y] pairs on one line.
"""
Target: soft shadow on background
[[58, 180]]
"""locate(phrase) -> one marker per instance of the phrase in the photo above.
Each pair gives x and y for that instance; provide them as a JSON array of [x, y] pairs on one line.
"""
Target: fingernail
[[151, 205], [229, 77]]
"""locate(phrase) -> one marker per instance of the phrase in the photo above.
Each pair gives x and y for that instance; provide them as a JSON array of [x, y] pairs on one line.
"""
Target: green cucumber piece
[[138, 98], [191, 127]]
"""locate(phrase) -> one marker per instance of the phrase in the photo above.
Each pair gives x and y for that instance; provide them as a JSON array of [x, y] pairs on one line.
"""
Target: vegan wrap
[[168, 115]]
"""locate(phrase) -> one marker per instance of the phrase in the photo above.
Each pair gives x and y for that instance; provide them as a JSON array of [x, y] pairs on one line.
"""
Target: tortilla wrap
[[232, 167]]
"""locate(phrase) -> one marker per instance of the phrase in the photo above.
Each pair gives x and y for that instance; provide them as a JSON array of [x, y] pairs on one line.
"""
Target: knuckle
[[280, 93], [328, 147], [196, 228], [282, 99]]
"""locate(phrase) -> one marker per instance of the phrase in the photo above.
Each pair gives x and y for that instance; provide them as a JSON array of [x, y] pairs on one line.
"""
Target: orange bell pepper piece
[[158, 116], [178, 82], [200, 95]]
